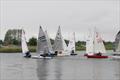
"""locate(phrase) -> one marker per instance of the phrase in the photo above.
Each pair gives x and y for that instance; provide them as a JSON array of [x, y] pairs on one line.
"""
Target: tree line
[[80, 45], [13, 37]]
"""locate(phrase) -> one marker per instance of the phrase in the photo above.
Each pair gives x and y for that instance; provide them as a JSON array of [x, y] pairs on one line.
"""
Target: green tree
[[1, 43], [15, 42], [109, 45], [32, 41], [13, 36]]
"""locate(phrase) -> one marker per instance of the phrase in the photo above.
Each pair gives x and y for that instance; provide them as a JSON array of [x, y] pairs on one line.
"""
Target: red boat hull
[[96, 56]]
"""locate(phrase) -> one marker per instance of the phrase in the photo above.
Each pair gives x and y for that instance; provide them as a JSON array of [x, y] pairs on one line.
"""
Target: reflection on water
[[74, 68], [15, 67], [42, 69], [117, 70], [49, 69]]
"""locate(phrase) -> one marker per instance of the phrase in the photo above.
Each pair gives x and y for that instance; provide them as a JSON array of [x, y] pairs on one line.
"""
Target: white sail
[[59, 43], [71, 45], [118, 47], [24, 44], [49, 43], [42, 42], [98, 43], [94, 44], [89, 44], [65, 51], [116, 54]]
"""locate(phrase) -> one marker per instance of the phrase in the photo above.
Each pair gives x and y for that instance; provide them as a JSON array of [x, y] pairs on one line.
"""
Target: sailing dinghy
[[71, 45], [60, 47], [44, 48], [95, 47], [25, 50]]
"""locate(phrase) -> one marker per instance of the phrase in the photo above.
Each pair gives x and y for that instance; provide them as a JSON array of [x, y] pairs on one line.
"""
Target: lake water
[[14, 67]]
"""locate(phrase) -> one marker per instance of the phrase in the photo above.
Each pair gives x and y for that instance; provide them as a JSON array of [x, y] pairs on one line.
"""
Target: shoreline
[[17, 49]]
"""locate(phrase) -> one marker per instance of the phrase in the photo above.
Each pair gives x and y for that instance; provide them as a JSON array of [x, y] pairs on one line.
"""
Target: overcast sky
[[73, 16]]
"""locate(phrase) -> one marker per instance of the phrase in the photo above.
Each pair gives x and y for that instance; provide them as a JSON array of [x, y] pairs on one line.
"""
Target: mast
[[73, 41], [74, 38], [94, 39]]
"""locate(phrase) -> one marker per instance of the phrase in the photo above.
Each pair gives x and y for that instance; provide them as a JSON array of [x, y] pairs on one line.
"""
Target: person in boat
[[56, 52], [116, 54], [72, 52], [99, 54], [28, 55], [46, 53]]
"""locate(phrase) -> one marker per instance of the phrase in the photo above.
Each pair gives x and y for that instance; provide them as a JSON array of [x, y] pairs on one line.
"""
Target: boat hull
[[96, 56], [115, 57], [40, 57], [73, 54], [62, 55], [27, 55]]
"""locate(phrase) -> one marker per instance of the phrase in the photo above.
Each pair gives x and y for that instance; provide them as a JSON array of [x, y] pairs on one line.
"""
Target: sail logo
[[58, 37], [42, 39]]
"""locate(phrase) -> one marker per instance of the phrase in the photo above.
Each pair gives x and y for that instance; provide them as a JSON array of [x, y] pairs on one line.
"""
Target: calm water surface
[[14, 67]]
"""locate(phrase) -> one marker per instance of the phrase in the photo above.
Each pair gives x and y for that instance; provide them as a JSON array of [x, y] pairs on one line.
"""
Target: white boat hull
[[115, 57], [64, 53], [61, 55], [40, 57]]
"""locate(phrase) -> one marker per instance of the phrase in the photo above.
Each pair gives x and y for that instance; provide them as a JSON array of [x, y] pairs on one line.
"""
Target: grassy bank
[[17, 49]]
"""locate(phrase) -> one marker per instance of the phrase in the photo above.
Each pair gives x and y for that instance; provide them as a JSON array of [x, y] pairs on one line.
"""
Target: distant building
[[117, 39], [13, 36]]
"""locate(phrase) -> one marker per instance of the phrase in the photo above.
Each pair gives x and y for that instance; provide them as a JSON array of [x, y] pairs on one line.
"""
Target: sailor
[[72, 52], [28, 55], [99, 54]]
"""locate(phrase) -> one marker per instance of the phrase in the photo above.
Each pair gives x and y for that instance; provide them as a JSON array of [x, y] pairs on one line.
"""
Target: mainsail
[[98, 43], [71, 45], [59, 44], [24, 44], [94, 44], [89, 44], [43, 45], [117, 43], [118, 48], [49, 43]]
